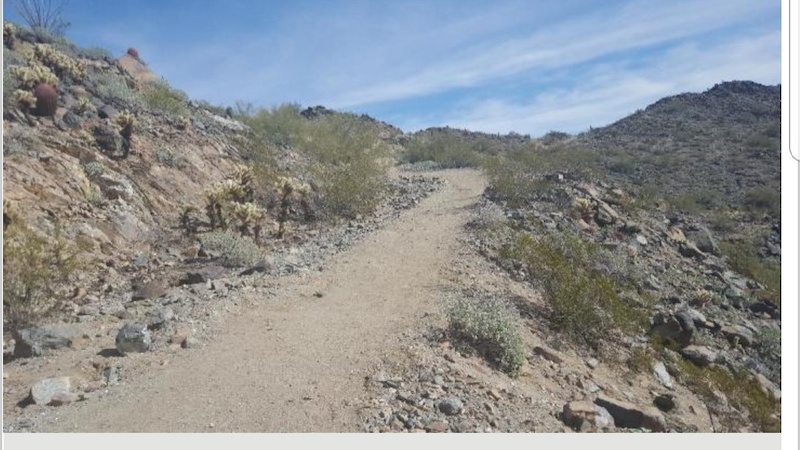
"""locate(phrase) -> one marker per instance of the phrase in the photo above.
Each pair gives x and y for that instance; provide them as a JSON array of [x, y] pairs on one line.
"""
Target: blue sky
[[527, 66]]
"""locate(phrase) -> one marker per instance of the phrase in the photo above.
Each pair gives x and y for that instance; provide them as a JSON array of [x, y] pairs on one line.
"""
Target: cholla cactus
[[25, 99], [9, 35], [288, 188], [701, 297], [59, 62], [582, 207], [84, 105], [126, 120], [248, 215], [183, 123], [243, 175], [33, 75]]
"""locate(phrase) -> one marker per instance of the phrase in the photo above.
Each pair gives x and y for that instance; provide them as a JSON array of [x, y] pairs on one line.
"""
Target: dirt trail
[[296, 362]]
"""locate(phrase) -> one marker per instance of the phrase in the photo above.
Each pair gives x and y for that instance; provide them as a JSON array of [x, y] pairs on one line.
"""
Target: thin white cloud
[[609, 93], [568, 43]]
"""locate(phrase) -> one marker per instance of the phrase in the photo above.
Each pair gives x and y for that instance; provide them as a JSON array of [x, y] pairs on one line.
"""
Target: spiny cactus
[[243, 176], [126, 121], [30, 76], [582, 208], [46, 100], [61, 64], [25, 99], [187, 220], [84, 105], [133, 52], [248, 215], [183, 123], [9, 35], [288, 189]]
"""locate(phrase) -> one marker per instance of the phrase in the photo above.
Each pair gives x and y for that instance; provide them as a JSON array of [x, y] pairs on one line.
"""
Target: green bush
[[491, 327], [743, 257], [584, 302], [166, 156], [36, 270], [349, 165], [160, 96], [233, 250], [764, 199], [113, 88], [742, 392], [280, 126], [447, 150], [95, 53]]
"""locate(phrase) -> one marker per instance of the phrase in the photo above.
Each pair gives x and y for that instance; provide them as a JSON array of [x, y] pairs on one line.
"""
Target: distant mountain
[[722, 143]]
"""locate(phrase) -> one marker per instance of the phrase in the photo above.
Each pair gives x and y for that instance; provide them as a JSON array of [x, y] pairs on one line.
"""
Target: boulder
[[44, 391], [38, 341], [628, 415], [587, 416], [699, 355], [133, 338], [738, 333]]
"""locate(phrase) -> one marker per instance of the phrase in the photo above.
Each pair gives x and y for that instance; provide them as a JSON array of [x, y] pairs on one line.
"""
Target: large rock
[[628, 415], [699, 355], [38, 341], [738, 333], [451, 406], [149, 290], [678, 328], [114, 186], [133, 338], [44, 391], [662, 375], [586, 416], [704, 240]]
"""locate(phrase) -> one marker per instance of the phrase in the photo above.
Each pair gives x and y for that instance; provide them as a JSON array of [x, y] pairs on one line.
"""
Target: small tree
[[43, 16]]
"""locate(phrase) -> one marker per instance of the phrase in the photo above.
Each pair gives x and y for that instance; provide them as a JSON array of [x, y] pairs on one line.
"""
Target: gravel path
[[297, 361]]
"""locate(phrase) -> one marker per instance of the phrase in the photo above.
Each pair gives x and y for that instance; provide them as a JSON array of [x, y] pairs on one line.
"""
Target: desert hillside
[[250, 269]]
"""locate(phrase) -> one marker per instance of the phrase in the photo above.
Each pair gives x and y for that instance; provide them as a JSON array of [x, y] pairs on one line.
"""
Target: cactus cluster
[[289, 189], [582, 208], [25, 99], [183, 122], [84, 105], [30, 76], [126, 121], [9, 35], [233, 197], [60, 63]]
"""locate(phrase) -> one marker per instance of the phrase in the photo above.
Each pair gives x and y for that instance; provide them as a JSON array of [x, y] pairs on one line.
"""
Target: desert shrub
[[159, 95], [741, 391], [491, 326], [447, 150], [95, 53], [93, 169], [44, 17], [513, 182], [12, 58], [583, 302], [36, 270], [280, 126], [641, 359], [768, 348], [743, 257], [233, 250], [112, 88], [10, 85], [215, 109], [166, 156], [764, 199], [349, 165]]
